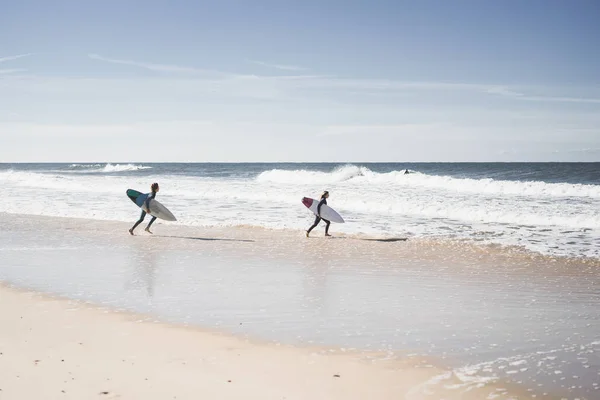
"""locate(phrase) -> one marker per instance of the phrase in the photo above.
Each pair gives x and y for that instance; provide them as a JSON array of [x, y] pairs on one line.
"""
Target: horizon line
[[301, 162]]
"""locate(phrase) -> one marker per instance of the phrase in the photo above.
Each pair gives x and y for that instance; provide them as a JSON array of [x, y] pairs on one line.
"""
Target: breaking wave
[[107, 168], [351, 174]]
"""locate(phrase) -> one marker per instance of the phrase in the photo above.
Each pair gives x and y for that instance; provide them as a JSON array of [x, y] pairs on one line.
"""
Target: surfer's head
[[325, 195], [154, 187]]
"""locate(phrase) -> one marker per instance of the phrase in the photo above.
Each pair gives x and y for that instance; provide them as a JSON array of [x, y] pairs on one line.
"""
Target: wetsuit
[[318, 217], [147, 203]]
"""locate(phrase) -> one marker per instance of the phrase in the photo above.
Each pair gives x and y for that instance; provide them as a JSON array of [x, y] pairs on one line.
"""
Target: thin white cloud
[[10, 71], [192, 82], [579, 152], [562, 99], [10, 58], [198, 72], [394, 85], [338, 130], [279, 66], [157, 67], [281, 84], [380, 86], [384, 85], [9, 113], [503, 91], [58, 130]]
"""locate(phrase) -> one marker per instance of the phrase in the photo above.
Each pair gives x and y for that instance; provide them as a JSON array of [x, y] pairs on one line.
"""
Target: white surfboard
[[327, 212], [159, 211], [156, 209]]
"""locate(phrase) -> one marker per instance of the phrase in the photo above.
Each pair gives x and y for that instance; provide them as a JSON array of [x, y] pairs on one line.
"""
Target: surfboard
[[155, 208], [327, 212]]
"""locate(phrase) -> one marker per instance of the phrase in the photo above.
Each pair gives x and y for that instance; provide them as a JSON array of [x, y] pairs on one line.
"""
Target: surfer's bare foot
[[148, 230], [307, 233], [131, 232], [327, 234]]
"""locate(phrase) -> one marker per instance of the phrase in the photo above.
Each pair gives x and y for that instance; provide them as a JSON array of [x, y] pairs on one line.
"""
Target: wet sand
[[485, 318]]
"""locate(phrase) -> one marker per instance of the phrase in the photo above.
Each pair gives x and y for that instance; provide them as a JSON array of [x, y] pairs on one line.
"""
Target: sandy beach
[[255, 313], [56, 348], [53, 348]]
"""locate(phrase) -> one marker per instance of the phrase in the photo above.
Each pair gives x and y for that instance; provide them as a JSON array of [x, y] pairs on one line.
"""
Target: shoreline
[[247, 233]]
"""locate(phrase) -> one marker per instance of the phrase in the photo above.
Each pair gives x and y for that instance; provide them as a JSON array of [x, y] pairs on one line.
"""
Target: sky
[[314, 81]]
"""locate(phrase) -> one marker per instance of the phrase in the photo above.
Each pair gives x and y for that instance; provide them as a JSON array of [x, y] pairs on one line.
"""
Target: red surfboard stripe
[[307, 202]]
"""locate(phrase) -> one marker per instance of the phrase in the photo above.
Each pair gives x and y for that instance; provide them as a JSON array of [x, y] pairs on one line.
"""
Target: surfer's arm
[[319, 207], [147, 202]]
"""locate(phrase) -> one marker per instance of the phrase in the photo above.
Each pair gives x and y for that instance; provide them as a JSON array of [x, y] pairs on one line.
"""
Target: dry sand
[[60, 349]]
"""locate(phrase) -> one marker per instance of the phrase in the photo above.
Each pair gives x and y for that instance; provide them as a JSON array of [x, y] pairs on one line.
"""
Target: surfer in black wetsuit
[[154, 187], [318, 218]]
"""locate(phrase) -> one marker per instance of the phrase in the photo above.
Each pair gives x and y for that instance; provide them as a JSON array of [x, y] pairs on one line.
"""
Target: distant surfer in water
[[154, 187], [318, 218]]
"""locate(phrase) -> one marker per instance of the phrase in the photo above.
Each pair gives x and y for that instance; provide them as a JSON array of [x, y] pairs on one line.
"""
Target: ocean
[[546, 208]]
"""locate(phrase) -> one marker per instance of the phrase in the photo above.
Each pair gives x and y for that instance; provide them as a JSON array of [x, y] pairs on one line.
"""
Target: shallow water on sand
[[487, 313]]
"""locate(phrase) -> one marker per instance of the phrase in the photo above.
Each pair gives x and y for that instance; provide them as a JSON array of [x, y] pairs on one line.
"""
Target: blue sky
[[300, 81]]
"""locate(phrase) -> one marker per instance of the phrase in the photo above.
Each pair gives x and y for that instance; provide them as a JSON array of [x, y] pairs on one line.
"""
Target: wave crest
[[107, 168], [352, 174], [340, 174], [122, 168], [84, 166]]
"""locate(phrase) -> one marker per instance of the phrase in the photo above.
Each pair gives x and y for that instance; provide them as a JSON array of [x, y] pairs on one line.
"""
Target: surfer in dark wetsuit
[[154, 187], [318, 218]]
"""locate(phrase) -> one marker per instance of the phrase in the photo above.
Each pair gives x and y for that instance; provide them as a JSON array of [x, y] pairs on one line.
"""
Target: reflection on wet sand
[[144, 263]]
